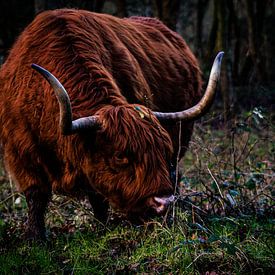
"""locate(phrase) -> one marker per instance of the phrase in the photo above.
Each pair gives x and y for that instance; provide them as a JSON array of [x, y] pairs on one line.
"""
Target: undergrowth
[[222, 221]]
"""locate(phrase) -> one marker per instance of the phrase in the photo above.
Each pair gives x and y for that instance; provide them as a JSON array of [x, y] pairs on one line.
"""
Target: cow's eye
[[120, 159]]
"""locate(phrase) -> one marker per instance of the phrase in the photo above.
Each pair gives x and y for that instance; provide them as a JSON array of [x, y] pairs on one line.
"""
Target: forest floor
[[222, 222]]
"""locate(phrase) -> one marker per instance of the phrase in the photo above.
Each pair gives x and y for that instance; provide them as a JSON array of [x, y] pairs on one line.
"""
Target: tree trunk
[[121, 8], [39, 5], [255, 61], [234, 38], [219, 41], [200, 10], [167, 11], [92, 5]]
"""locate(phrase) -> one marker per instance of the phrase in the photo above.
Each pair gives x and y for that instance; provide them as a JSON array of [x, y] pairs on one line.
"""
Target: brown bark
[[39, 5], [98, 5], [167, 11], [255, 61], [200, 10], [234, 38], [92, 5], [121, 8], [219, 42]]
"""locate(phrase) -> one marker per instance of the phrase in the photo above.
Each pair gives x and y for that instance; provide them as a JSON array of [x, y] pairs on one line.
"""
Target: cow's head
[[133, 155], [130, 161]]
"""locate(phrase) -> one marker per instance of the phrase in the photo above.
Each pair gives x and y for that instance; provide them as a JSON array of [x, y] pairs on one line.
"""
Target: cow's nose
[[160, 204]]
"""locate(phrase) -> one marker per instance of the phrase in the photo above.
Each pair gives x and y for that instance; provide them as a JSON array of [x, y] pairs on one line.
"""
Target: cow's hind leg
[[37, 200]]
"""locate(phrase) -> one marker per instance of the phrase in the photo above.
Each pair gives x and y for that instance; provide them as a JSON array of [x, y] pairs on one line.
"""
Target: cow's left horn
[[67, 125], [199, 109]]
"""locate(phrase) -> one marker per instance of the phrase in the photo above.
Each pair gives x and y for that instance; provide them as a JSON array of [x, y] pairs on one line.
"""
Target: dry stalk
[[177, 168], [215, 182]]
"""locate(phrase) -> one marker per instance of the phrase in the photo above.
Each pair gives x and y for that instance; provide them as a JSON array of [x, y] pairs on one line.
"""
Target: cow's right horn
[[67, 125]]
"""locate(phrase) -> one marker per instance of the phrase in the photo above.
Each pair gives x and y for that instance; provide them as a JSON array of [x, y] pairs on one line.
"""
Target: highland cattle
[[97, 113]]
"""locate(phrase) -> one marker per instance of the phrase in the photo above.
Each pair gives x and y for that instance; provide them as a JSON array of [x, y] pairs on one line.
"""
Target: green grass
[[235, 245], [223, 220]]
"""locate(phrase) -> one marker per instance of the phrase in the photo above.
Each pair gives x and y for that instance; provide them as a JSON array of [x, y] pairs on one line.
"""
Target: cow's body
[[107, 65]]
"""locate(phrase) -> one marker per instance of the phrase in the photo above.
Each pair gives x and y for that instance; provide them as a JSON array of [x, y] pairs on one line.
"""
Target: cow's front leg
[[37, 200], [100, 206]]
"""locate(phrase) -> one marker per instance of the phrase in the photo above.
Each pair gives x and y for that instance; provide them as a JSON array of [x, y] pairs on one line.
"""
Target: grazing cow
[[98, 135]]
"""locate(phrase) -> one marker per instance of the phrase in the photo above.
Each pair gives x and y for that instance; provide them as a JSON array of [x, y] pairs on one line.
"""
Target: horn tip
[[219, 56], [35, 66], [41, 70], [217, 64]]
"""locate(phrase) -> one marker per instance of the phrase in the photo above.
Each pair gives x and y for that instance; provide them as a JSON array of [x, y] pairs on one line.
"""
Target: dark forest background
[[244, 29]]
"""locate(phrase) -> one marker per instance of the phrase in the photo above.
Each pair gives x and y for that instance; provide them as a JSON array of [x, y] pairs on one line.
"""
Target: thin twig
[[7, 198], [258, 195], [251, 148], [177, 169], [12, 191], [196, 259], [233, 154], [215, 182], [244, 148], [204, 212]]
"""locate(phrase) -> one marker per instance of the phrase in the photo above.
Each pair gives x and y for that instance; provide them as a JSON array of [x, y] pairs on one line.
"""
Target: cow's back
[[148, 62]]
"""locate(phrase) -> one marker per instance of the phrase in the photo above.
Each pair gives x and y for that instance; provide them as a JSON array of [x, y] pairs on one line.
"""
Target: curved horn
[[199, 109], [67, 126]]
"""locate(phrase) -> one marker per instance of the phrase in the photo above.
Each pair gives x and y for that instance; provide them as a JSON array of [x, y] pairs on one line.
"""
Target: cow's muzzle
[[160, 204]]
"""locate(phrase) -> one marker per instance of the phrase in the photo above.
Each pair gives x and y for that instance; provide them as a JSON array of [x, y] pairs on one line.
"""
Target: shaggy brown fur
[[108, 66]]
